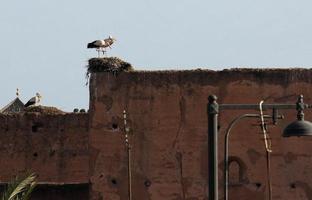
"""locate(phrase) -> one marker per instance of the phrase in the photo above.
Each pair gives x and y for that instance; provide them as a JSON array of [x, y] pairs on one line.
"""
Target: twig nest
[[108, 64], [43, 110]]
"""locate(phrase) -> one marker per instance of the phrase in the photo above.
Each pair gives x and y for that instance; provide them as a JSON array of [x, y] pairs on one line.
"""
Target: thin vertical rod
[[128, 146], [129, 173], [212, 111]]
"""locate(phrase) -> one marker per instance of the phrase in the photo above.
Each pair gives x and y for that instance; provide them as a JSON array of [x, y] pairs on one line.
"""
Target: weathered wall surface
[[167, 114], [53, 146]]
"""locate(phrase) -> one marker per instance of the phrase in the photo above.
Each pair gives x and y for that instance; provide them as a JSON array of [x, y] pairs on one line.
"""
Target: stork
[[34, 101], [101, 45]]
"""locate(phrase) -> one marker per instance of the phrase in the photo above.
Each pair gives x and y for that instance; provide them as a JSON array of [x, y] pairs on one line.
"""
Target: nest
[[108, 64], [43, 110]]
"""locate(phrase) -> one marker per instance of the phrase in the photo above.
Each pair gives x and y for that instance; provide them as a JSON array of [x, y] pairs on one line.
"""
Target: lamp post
[[213, 111], [298, 128]]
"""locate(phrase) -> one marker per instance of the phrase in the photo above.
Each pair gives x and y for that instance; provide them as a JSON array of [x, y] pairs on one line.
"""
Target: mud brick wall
[[53, 146], [167, 115]]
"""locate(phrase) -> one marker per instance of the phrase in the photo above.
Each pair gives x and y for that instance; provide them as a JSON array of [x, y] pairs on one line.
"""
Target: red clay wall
[[53, 146], [167, 113]]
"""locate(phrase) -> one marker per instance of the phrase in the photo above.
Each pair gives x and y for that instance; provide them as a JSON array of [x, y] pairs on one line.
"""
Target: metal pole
[[129, 172], [212, 111], [128, 146], [256, 106]]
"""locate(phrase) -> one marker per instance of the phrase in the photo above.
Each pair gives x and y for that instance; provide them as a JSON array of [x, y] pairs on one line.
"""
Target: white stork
[[34, 101], [101, 45]]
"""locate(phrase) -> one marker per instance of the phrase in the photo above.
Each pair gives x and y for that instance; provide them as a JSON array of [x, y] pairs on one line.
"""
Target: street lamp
[[298, 128]]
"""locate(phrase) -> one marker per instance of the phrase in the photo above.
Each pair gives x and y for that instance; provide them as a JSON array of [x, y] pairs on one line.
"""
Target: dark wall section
[[61, 192], [53, 146]]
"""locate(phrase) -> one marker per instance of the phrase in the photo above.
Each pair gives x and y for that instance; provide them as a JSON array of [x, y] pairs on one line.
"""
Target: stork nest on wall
[[43, 110], [108, 64]]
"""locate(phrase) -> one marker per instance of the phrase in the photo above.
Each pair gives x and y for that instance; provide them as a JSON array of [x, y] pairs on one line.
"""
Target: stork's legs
[[99, 50], [103, 51]]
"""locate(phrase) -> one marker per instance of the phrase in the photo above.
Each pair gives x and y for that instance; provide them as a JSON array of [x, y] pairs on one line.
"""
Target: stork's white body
[[101, 45], [34, 101]]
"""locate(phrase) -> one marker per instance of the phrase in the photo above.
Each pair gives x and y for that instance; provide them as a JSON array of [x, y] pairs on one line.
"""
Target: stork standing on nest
[[34, 101], [101, 45]]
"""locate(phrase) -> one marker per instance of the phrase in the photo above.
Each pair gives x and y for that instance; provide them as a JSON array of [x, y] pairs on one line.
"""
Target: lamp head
[[300, 127]]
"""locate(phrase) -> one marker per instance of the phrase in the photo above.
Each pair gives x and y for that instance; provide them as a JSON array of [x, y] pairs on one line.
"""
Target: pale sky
[[43, 42]]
